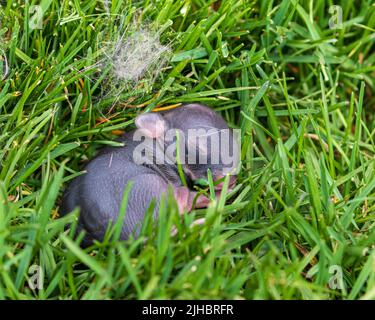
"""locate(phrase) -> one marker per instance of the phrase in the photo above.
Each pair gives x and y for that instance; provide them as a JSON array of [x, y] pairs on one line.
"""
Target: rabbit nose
[[232, 182]]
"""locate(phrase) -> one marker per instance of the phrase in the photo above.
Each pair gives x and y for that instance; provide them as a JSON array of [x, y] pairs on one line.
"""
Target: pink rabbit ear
[[152, 124]]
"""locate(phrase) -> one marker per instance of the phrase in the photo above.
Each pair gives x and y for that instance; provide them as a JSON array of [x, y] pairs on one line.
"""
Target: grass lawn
[[297, 77]]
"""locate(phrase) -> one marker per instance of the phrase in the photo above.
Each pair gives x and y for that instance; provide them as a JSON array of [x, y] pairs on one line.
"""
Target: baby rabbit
[[149, 159]]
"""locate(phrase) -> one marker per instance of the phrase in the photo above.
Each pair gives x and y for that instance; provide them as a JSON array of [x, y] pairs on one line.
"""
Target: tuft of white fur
[[130, 58], [137, 55]]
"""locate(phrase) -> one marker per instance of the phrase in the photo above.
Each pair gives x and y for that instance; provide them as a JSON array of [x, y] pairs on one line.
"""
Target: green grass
[[303, 95]]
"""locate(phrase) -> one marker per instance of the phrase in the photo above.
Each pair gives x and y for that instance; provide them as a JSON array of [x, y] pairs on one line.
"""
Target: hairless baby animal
[[98, 193]]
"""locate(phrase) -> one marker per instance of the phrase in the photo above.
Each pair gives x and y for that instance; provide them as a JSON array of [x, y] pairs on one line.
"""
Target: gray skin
[[98, 193]]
